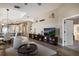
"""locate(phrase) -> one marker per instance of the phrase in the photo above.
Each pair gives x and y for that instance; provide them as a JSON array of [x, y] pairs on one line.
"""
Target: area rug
[[42, 51]]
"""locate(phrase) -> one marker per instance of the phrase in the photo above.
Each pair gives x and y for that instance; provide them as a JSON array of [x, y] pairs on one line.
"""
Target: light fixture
[[16, 6], [39, 4], [7, 25], [6, 18], [25, 3], [2, 24], [7, 15], [53, 15]]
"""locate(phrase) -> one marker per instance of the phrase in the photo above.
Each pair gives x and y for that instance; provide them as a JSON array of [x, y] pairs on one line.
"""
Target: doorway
[[74, 31], [68, 32]]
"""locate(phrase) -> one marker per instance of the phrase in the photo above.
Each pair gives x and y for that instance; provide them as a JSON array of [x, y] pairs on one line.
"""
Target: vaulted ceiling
[[24, 11]]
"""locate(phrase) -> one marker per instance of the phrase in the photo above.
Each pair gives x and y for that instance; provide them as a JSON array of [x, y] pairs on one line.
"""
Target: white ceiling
[[13, 15], [25, 12], [75, 19]]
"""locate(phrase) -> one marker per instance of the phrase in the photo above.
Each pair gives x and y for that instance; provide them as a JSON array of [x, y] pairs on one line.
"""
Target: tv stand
[[51, 40]]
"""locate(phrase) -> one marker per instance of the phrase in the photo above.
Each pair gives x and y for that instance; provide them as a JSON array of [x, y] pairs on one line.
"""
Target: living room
[[35, 26]]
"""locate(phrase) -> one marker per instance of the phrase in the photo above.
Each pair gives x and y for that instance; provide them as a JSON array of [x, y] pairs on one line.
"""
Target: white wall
[[65, 10], [76, 31], [39, 26]]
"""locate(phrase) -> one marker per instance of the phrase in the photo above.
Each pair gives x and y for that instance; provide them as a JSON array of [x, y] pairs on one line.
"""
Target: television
[[49, 31]]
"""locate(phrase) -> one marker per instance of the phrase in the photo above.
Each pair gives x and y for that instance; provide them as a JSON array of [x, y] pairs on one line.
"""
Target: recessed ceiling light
[[25, 3], [16, 6], [39, 4], [7, 9]]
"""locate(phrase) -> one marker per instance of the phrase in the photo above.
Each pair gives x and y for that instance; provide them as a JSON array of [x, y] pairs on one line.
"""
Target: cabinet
[[51, 40]]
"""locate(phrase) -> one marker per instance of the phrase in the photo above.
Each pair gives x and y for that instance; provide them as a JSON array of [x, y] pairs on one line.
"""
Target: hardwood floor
[[61, 51]]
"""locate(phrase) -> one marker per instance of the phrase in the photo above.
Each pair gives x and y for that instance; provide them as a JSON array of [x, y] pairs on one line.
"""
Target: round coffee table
[[26, 50]]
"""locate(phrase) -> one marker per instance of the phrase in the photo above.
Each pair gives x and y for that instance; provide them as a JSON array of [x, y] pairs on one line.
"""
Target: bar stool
[[2, 48]]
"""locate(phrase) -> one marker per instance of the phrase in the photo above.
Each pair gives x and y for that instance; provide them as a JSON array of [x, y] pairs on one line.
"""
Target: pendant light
[[7, 19], [7, 15]]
